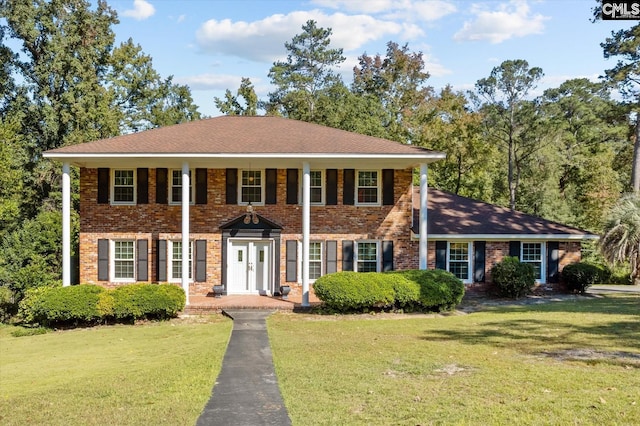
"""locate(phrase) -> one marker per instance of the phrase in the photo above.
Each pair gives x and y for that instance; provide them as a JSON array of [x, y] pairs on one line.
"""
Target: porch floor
[[210, 304]]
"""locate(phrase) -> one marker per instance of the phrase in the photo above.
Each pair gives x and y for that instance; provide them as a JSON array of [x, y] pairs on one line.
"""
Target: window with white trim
[[368, 187], [175, 188], [533, 253], [315, 260], [123, 190], [123, 267], [366, 256], [251, 187], [175, 260], [317, 187], [459, 260]]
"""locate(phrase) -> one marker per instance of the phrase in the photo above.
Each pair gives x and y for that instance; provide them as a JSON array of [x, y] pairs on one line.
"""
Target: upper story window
[[123, 265], [123, 186], [251, 187], [532, 253], [459, 257], [368, 187], [175, 190], [317, 188], [367, 256]]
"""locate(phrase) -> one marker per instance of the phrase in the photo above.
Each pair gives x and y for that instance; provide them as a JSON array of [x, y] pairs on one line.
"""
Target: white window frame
[[112, 180], [322, 187], [171, 261], [378, 188], [468, 279], [320, 261], [192, 187], [262, 187], [542, 261], [357, 261], [113, 260]]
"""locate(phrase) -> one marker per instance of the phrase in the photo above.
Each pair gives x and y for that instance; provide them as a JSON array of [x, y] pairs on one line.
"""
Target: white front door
[[249, 267]]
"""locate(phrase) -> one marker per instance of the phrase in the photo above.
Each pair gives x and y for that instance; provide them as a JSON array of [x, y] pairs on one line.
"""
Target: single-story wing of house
[[262, 202]]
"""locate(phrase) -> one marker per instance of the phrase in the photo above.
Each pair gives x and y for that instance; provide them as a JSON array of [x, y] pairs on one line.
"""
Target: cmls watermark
[[620, 10]]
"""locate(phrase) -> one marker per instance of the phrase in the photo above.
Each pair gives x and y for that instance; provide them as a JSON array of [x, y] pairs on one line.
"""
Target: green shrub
[[148, 301], [90, 304], [349, 291], [72, 305], [438, 289], [513, 278], [580, 276], [407, 290]]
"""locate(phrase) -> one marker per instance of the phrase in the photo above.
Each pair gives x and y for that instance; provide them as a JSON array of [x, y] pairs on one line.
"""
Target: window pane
[[368, 178], [532, 254], [251, 189], [123, 186], [367, 267], [123, 262], [315, 270], [367, 187], [176, 259], [251, 195], [367, 195], [315, 251], [460, 270], [316, 177]]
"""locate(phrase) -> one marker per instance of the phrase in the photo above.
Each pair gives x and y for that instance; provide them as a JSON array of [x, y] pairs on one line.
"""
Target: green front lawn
[[154, 374], [557, 363]]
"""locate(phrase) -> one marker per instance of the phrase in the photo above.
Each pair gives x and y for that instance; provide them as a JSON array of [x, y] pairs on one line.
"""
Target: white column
[[423, 216], [66, 225], [185, 229], [306, 230]]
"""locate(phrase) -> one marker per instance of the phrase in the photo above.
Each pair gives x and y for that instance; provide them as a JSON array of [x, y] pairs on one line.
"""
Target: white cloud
[[142, 10], [513, 19], [263, 40], [424, 10], [210, 81]]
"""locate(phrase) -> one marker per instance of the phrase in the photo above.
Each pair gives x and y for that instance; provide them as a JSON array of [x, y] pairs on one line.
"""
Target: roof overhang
[[253, 160], [509, 237]]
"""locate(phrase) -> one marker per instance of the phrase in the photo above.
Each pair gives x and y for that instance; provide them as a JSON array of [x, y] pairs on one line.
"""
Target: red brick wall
[[161, 221]]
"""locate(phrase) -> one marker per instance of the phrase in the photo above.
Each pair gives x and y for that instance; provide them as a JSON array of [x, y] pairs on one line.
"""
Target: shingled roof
[[265, 141], [453, 216]]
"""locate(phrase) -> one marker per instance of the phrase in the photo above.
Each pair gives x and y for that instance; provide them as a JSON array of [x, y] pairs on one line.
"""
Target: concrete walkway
[[612, 288], [246, 391]]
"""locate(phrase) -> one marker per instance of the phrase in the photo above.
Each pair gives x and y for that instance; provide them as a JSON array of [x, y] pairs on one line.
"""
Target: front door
[[249, 267]]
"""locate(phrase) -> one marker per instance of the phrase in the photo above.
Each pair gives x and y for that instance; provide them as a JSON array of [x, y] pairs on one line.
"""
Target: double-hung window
[[315, 260], [123, 189], [175, 191], [367, 256], [368, 187], [175, 264], [251, 187], [317, 192], [123, 260], [533, 253], [458, 259]]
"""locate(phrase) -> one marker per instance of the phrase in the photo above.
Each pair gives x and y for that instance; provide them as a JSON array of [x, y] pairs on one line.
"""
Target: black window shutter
[[201, 261], [292, 261], [271, 191], [142, 252], [347, 255], [387, 255], [232, 186], [292, 186], [479, 248], [331, 258], [201, 186], [142, 195], [441, 255], [514, 249], [388, 197], [162, 186], [161, 264], [331, 189], [553, 259], [103, 186], [103, 260], [349, 187]]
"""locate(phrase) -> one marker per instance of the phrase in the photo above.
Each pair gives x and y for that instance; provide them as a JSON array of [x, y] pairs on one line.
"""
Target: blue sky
[[210, 44]]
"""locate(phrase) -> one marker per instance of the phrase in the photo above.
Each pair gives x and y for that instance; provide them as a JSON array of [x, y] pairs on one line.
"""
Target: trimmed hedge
[[513, 278], [91, 304], [580, 276], [431, 290]]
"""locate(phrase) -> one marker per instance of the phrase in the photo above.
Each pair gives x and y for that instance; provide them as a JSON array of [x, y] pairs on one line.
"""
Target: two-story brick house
[[264, 201]]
